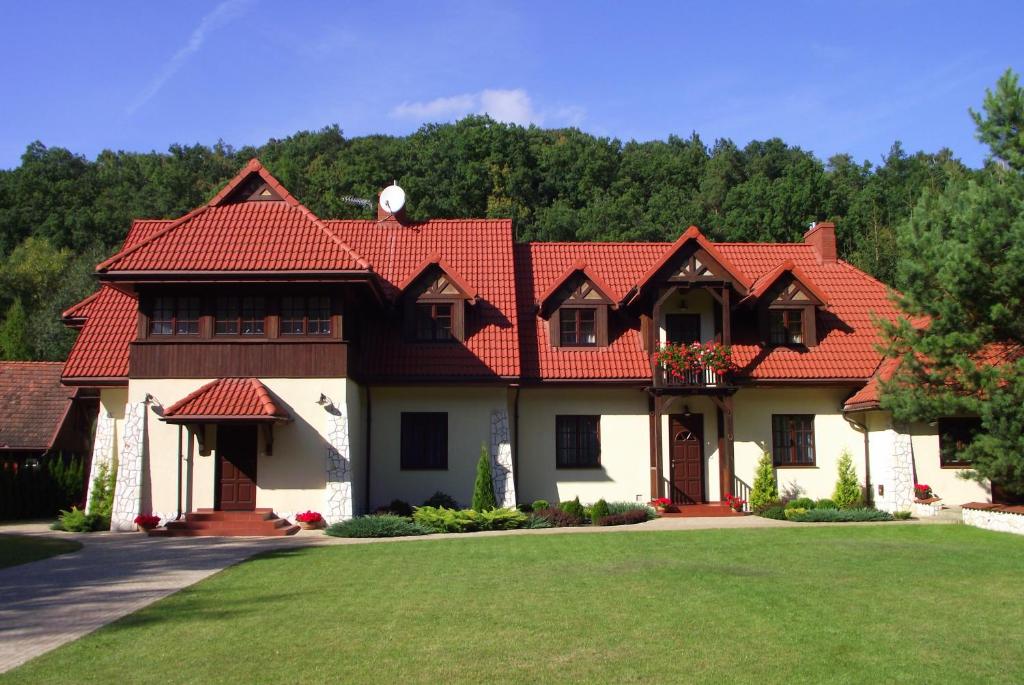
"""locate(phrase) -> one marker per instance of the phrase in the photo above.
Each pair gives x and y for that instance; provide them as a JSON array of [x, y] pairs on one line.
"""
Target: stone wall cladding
[[920, 510], [902, 483], [501, 460], [991, 518], [102, 450], [338, 492], [128, 487]]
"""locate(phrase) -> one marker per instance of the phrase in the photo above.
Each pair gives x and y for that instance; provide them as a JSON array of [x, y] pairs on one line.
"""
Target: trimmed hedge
[[837, 515], [633, 516], [557, 518], [623, 507], [800, 503], [775, 511], [376, 526]]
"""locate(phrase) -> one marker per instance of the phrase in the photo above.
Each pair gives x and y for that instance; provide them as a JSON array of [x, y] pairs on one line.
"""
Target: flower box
[[147, 521], [310, 520]]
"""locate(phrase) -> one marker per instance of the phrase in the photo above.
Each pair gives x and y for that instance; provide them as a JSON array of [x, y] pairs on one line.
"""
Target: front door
[[236, 468], [687, 458]]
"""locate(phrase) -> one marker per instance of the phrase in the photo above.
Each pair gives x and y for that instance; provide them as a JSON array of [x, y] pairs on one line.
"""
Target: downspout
[[177, 514], [515, 442], [863, 428], [369, 439]]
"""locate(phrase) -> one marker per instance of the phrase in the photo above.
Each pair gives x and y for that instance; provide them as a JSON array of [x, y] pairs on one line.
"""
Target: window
[[175, 316], [577, 442], [227, 316], [425, 440], [578, 327], [254, 315], [682, 328], [785, 327], [433, 321], [955, 434], [306, 315], [793, 439]]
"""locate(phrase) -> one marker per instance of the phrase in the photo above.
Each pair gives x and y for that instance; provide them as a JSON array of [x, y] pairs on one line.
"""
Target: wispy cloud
[[220, 15], [513, 106]]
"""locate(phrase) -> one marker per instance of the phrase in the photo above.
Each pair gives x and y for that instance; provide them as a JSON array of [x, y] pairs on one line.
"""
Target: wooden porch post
[[654, 406], [726, 316], [726, 464]]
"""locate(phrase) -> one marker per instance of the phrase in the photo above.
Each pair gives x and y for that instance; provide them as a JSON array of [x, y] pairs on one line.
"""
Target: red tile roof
[[761, 286], [246, 236], [577, 267], [228, 398], [479, 251], [33, 404], [508, 279], [436, 260]]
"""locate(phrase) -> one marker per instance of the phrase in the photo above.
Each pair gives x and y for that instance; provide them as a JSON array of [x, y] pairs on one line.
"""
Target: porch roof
[[227, 399]]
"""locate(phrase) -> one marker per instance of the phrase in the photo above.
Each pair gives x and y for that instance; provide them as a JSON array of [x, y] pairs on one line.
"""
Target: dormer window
[[578, 327], [175, 316], [786, 327], [434, 321]]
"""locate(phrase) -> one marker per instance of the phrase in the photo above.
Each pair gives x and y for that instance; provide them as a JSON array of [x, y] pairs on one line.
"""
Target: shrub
[[623, 507], [535, 521], [800, 503], [599, 510], [440, 499], [483, 488], [626, 518], [502, 519], [775, 511], [765, 490], [525, 507], [397, 507], [847, 494], [557, 518], [794, 513], [825, 503], [901, 515], [445, 520], [376, 526], [102, 504], [838, 515], [574, 508], [77, 521]]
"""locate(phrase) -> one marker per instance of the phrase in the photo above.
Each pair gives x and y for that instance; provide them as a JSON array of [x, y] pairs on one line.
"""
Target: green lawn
[[865, 604], [21, 549]]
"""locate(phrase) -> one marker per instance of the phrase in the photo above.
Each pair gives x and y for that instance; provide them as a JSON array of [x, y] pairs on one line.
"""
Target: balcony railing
[[701, 378]]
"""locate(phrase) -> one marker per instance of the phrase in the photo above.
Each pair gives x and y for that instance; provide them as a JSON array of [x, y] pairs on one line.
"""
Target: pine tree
[[14, 343], [847, 494], [483, 490], [766, 490], [961, 341]]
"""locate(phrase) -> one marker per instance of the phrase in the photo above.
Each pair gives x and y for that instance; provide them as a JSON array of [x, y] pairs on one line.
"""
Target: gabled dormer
[[576, 306], [787, 302], [434, 299]]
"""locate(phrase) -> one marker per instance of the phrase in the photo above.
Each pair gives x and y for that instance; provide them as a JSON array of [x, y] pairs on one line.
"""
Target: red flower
[[147, 521], [309, 517]]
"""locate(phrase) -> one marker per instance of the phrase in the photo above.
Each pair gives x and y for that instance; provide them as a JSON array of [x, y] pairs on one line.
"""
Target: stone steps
[[208, 523]]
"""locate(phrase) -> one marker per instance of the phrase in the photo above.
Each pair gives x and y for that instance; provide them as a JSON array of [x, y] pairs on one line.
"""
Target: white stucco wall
[[832, 433], [290, 480], [469, 425], [624, 474], [924, 437]]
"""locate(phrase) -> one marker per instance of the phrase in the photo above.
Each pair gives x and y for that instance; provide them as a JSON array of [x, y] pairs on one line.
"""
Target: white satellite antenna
[[392, 199]]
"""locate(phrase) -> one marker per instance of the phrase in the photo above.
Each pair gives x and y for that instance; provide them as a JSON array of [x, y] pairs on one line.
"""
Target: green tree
[[847, 493], [483, 488], [961, 345], [766, 488], [1001, 126], [14, 341]]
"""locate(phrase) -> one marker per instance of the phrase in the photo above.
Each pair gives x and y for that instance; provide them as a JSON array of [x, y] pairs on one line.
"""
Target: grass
[[21, 549], [842, 604]]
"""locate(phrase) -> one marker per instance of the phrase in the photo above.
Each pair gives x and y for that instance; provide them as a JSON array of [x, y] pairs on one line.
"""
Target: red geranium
[[661, 502], [309, 517], [735, 503], [922, 491], [147, 521]]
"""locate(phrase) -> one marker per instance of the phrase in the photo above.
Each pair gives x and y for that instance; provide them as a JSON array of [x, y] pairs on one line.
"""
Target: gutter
[[862, 428]]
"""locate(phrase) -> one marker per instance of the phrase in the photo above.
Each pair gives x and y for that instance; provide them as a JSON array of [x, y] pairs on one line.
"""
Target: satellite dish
[[392, 199]]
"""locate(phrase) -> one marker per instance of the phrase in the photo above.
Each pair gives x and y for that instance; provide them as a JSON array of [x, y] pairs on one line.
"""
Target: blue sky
[[830, 78]]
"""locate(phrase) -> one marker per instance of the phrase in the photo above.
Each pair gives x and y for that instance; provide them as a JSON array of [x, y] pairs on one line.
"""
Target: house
[[39, 416], [253, 355]]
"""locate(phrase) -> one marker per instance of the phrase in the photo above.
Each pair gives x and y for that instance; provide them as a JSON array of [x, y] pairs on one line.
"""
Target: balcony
[[700, 378], [692, 367]]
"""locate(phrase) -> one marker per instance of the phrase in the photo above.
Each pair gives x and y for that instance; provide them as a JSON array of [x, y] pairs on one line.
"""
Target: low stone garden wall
[[998, 517]]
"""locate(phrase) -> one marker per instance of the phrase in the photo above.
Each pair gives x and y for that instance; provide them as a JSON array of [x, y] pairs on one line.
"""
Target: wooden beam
[[652, 406], [726, 316], [728, 466]]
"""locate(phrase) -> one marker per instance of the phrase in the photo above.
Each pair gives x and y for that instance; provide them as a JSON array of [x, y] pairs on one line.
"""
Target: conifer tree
[[483, 489], [847, 493], [766, 489]]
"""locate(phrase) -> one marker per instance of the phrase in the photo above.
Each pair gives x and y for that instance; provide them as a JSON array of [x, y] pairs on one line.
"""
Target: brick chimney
[[822, 236]]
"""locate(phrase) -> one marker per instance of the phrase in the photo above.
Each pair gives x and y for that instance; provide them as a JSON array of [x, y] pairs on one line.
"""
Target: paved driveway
[[46, 603]]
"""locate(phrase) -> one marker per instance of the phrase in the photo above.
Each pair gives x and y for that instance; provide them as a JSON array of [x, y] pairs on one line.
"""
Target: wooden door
[[687, 458], [682, 328], [236, 468]]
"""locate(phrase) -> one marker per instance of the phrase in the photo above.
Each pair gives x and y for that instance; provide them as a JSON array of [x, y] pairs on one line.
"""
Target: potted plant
[[735, 503], [147, 522], [310, 520], [661, 504], [923, 494]]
